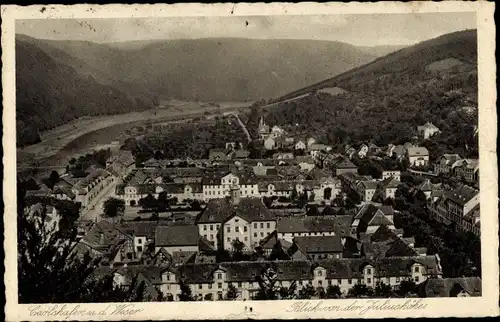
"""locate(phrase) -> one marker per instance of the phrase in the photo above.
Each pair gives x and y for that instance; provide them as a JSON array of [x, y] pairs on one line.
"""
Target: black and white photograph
[[248, 158]]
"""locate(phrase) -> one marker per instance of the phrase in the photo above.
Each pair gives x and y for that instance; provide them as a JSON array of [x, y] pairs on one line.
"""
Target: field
[[87, 133]]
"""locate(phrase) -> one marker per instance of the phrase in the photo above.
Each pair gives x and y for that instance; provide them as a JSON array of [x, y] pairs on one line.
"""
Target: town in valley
[[364, 185]]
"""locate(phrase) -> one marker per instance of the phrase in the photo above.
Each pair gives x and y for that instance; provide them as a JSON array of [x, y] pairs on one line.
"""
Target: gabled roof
[[448, 287], [250, 209], [320, 244], [176, 236], [308, 224], [427, 125], [462, 194], [140, 228], [417, 151], [389, 183]]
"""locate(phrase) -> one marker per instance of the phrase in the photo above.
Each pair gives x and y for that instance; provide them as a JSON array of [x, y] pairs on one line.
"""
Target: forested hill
[[218, 69], [385, 100], [50, 93]]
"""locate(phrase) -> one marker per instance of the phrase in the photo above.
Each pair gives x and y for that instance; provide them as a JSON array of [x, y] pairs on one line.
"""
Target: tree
[[307, 292], [383, 290], [333, 292], [50, 271], [288, 293], [149, 202], [406, 287], [186, 293], [360, 290], [238, 247], [54, 178], [163, 201], [267, 280], [113, 207], [232, 292]]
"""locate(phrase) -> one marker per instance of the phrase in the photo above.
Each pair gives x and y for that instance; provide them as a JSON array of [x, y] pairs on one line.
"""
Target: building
[[391, 173], [300, 144], [459, 206], [446, 163], [217, 184], [370, 217], [362, 151], [211, 281], [219, 155], [417, 156], [374, 149], [387, 188], [263, 129], [427, 130], [277, 132], [177, 239], [91, 186], [131, 194], [320, 247], [245, 219], [269, 143], [366, 190], [289, 228], [467, 169], [450, 287]]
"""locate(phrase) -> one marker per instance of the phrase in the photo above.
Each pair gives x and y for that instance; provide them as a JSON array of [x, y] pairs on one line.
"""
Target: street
[[93, 211]]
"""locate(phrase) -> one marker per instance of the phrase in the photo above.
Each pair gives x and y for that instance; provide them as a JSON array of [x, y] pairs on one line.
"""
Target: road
[[249, 137], [94, 210]]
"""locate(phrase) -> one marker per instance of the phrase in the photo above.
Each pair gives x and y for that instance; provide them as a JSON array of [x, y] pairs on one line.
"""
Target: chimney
[[235, 194]]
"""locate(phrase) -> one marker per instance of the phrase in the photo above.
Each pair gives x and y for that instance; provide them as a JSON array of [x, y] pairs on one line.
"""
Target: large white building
[[218, 185], [235, 218]]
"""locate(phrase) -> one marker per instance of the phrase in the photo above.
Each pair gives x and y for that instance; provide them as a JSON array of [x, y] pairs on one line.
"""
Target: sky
[[356, 29]]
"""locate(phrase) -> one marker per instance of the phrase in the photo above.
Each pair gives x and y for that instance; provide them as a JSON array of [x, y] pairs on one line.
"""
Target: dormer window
[[320, 273], [219, 276]]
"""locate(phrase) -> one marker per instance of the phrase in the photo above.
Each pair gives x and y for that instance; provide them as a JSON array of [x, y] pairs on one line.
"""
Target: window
[[211, 227], [240, 284], [218, 226], [211, 236], [236, 229], [139, 248], [261, 225], [268, 225], [236, 220], [417, 278], [204, 227], [245, 228], [219, 275], [254, 234], [246, 238], [369, 280], [261, 234], [368, 271], [200, 286], [339, 281], [219, 285], [320, 273], [417, 269], [139, 241], [209, 286], [397, 279], [255, 225], [228, 239], [205, 235], [329, 282], [228, 229], [320, 282]]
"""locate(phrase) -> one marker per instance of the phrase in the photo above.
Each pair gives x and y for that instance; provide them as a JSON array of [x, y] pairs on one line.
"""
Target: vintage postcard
[[264, 161]]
